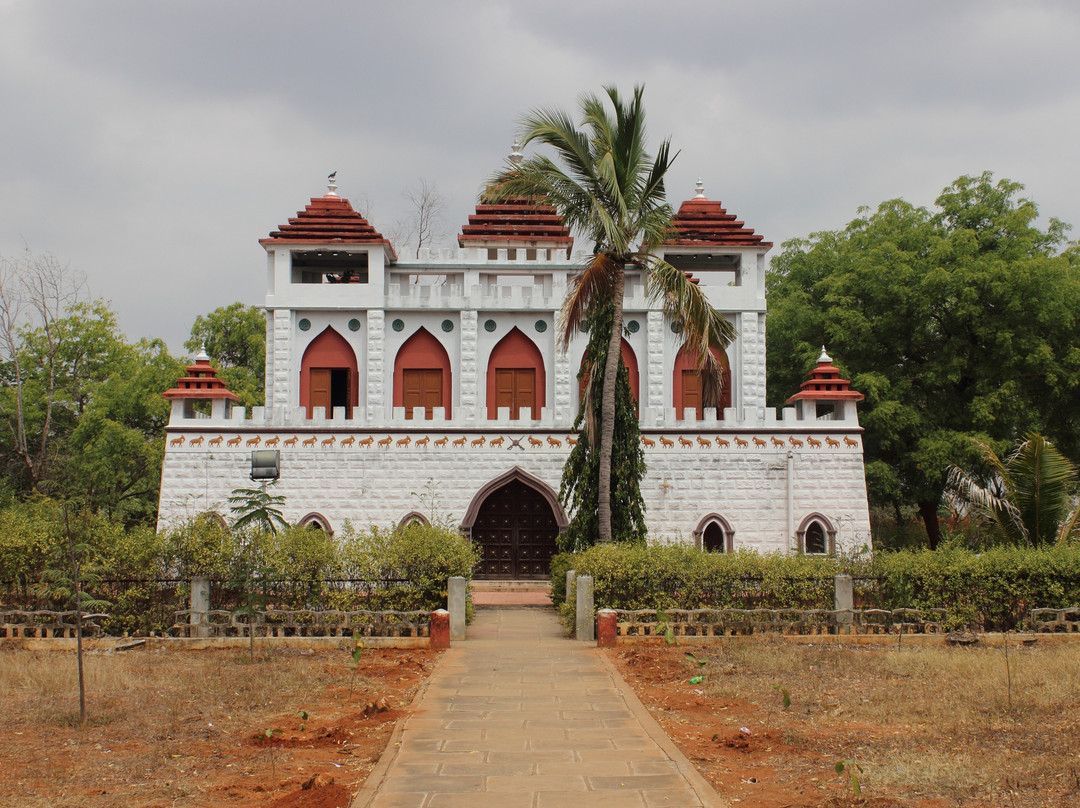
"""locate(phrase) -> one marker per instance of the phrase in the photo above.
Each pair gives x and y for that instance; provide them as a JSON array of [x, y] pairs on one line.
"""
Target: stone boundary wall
[[810, 622], [744, 622], [1055, 621], [42, 623], [301, 623]]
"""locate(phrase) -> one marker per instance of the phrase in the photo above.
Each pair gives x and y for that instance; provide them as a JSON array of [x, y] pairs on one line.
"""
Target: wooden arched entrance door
[[515, 525]]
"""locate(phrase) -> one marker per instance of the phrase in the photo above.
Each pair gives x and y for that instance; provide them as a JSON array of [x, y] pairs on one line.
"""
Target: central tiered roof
[[517, 221]]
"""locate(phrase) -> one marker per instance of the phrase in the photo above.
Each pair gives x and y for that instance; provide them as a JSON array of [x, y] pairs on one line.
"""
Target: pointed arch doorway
[[514, 522]]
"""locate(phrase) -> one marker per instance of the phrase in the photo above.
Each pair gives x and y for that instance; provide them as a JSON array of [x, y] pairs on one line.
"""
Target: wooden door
[[516, 388], [515, 532], [319, 393], [691, 392], [421, 388]]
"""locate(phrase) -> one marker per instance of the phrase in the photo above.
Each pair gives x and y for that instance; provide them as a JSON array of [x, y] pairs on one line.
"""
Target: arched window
[[328, 376], [515, 376], [686, 384], [317, 521], [816, 535], [413, 518], [422, 375], [629, 359], [714, 534]]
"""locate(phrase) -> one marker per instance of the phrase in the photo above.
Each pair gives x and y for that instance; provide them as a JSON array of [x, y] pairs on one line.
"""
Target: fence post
[[607, 631], [455, 604], [200, 605], [844, 599], [585, 623], [440, 630]]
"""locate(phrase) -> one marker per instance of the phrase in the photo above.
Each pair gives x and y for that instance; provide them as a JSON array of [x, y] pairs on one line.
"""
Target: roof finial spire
[[202, 356], [515, 153], [332, 177], [699, 187], [824, 356]]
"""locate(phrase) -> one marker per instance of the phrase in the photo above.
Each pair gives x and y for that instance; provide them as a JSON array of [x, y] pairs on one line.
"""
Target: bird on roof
[[331, 175]]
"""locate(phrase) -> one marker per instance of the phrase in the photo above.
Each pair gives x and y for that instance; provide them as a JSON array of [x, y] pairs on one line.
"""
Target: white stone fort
[[404, 390]]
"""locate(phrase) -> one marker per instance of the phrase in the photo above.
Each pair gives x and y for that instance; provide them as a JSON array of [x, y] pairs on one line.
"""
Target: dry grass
[[928, 719], [160, 723]]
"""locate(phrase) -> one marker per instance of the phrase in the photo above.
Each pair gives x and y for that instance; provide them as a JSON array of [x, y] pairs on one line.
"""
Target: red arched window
[[328, 376], [629, 359], [515, 376], [422, 375], [686, 384]]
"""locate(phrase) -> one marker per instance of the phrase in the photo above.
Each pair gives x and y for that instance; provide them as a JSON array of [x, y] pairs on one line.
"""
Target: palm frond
[[595, 282], [1041, 483], [963, 489]]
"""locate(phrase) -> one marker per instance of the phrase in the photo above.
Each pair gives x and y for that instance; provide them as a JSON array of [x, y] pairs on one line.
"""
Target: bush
[[679, 576], [145, 576], [992, 590], [415, 561]]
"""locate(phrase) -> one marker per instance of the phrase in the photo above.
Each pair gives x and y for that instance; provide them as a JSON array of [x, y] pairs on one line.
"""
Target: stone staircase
[[502, 594]]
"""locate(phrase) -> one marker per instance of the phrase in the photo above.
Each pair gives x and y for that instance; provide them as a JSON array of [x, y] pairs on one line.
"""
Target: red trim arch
[[329, 352], [422, 351], [516, 352], [629, 359], [827, 528], [685, 368], [413, 518], [516, 473], [723, 524], [319, 521]]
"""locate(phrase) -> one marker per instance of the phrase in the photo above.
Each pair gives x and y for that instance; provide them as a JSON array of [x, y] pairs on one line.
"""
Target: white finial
[[332, 176], [824, 356], [700, 188], [202, 356], [515, 153]]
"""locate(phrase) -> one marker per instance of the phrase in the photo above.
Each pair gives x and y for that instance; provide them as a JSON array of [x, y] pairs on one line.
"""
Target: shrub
[[989, 590]]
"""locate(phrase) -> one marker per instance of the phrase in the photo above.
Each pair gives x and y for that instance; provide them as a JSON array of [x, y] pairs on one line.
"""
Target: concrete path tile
[[517, 716]]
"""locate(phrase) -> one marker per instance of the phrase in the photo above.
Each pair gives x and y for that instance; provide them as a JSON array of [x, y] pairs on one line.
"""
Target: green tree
[[1026, 497], [55, 350], [581, 474], [609, 188], [115, 452], [234, 337], [955, 323]]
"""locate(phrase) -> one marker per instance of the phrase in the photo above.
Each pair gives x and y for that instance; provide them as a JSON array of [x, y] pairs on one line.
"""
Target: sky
[[149, 146]]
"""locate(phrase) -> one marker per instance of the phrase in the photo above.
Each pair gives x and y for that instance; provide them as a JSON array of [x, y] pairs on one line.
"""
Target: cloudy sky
[[150, 145]]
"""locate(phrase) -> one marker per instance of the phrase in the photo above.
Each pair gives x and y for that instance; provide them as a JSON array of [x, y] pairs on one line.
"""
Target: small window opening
[[713, 539], [815, 541]]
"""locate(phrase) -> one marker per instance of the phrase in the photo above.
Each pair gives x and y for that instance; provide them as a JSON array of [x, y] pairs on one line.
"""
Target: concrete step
[[511, 594], [511, 586]]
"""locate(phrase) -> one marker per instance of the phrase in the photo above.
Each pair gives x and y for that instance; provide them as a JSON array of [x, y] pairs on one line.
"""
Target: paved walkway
[[517, 716]]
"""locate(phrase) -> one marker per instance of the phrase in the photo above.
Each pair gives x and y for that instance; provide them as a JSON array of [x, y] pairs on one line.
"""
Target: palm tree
[[1026, 496], [607, 187]]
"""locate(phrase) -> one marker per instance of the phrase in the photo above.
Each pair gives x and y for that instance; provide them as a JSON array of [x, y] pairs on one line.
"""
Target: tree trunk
[[607, 404], [928, 511]]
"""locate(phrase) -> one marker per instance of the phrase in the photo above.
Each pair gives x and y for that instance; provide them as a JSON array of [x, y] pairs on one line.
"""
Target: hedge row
[[144, 576], [993, 589]]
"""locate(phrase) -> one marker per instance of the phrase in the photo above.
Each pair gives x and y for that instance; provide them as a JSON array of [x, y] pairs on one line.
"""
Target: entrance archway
[[687, 387], [514, 522], [328, 375]]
